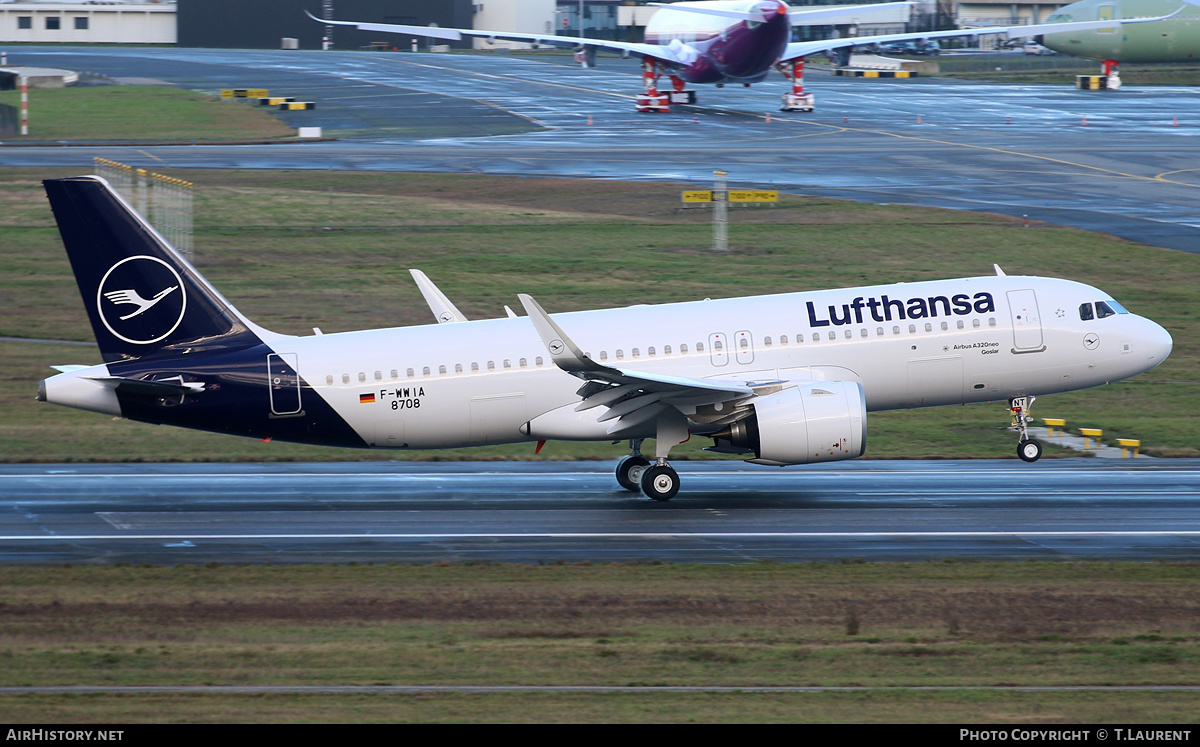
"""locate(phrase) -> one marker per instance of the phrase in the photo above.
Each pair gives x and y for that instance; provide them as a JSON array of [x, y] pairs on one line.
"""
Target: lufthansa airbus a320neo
[[783, 379]]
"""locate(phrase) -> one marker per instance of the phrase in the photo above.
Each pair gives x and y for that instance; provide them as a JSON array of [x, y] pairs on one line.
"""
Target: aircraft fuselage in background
[[737, 52], [1176, 39]]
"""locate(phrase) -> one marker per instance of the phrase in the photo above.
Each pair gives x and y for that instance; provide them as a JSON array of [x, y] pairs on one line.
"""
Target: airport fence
[[166, 202]]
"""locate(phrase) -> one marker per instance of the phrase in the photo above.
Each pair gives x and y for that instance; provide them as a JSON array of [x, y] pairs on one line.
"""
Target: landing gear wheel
[[660, 482], [629, 471], [1029, 451]]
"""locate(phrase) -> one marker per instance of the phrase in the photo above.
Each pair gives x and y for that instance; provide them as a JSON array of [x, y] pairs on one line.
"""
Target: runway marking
[[151, 155], [604, 535]]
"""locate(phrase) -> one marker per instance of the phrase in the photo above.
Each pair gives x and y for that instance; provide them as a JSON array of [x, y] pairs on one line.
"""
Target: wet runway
[[1119, 162], [573, 511]]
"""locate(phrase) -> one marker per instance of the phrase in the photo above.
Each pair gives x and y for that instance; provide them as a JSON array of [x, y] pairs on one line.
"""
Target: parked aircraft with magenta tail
[[731, 42]]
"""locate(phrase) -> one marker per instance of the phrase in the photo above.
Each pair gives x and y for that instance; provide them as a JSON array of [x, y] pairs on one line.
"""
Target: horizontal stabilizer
[[146, 388]]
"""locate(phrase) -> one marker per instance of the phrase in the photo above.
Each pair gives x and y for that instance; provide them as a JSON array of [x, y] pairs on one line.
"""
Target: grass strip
[[140, 113], [949, 624]]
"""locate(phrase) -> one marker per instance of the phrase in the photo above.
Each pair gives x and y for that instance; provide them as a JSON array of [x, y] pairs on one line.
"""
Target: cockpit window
[[1117, 307], [1103, 310], [1085, 312]]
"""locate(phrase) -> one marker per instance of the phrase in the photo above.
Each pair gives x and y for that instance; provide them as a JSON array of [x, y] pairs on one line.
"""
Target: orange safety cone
[[768, 117], [1085, 121], [1174, 121], [918, 119], [589, 119]]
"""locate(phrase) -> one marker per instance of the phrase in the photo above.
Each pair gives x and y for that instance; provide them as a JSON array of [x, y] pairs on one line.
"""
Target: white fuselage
[[908, 345]]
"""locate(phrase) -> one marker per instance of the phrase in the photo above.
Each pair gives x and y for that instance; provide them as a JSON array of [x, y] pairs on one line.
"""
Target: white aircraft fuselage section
[[908, 345]]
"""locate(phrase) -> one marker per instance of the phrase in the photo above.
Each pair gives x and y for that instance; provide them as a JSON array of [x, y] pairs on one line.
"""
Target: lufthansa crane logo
[[141, 300]]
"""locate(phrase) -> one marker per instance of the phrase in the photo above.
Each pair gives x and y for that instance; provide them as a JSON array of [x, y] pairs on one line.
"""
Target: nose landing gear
[[1028, 449]]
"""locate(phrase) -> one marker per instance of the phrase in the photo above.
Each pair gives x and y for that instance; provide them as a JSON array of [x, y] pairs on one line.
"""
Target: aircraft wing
[[802, 49], [677, 54], [631, 397]]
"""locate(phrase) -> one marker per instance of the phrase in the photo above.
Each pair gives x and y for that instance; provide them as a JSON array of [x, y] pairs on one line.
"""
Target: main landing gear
[[1028, 449], [630, 468], [658, 480]]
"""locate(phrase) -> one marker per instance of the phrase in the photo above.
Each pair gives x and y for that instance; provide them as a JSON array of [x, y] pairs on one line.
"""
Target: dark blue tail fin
[[142, 297]]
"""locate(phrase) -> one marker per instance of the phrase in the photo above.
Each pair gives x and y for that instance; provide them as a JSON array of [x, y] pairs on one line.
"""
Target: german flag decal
[[366, 399]]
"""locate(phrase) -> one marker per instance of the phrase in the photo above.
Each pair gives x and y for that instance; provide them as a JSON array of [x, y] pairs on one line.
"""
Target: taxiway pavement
[[1118, 162]]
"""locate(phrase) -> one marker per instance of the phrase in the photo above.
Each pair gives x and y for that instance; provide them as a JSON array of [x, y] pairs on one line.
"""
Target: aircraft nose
[[1158, 342]]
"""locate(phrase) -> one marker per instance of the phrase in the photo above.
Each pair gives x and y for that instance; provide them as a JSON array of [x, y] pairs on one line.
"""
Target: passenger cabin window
[[329, 380], [345, 378], [538, 360], [425, 371], [442, 370], [410, 373], [395, 374], [783, 339], [523, 363], [458, 368], [362, 376], [666, 349], [699, 347], [491, 365], [767, 341], [650, 351], [635, 353], [379, 375]]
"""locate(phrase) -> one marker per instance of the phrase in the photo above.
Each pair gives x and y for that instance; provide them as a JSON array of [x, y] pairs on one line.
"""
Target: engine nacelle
[[819, 422]]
